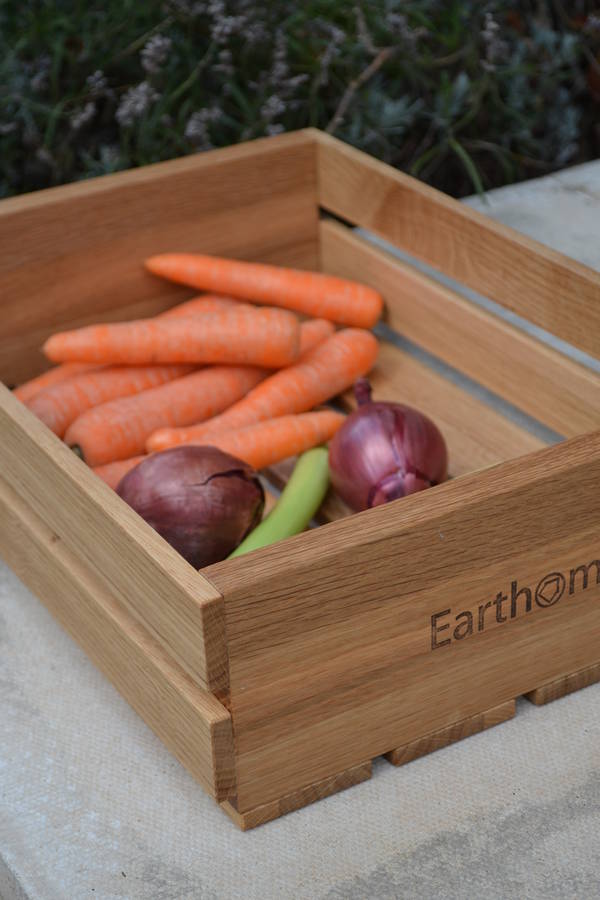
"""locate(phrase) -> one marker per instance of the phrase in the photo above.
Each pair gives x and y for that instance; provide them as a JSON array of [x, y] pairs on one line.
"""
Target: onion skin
[[385, 451], [202, 501]]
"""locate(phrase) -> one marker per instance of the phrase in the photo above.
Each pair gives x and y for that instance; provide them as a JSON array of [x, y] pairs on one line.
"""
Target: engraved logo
[[449, 625], [550, 589]]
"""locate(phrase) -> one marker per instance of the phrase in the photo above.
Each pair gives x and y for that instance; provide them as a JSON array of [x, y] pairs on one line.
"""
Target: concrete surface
[[92, 805]]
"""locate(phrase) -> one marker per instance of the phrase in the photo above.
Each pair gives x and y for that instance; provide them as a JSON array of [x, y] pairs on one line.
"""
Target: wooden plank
[[537, 379], [153, 582], [338, 638], [73, 255], [297, 799], [477, 436], [555, 292], [567, 684], [191, 722], [456, 732]]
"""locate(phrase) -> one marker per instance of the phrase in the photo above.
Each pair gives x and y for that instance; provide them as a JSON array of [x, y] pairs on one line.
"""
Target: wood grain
[[435, 740], [476, 435], [330, 633], [555, 292], [73, 255], [567, 684], [537, 379], [194, 726], [297, 799], [153, 582]]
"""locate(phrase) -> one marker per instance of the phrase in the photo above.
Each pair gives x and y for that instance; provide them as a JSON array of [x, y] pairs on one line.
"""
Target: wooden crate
[[276, 678]]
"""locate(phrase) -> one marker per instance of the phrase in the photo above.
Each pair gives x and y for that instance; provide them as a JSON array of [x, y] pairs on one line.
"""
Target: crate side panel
[[190, 721], [333, 652], [155, 584], [550, 289], [71, 256], [537, 379]]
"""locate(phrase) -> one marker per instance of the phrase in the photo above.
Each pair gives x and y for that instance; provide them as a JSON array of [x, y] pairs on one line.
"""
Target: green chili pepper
[[299, 501]]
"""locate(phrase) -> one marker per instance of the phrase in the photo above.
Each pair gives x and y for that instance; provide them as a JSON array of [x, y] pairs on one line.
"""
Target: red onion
[[384, 451], [200, 500]]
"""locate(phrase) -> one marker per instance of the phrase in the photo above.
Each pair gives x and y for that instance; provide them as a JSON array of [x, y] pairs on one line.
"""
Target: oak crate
[[277, 677]]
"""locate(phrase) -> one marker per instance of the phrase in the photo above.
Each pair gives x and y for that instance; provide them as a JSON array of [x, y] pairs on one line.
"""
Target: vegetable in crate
[[312, 293], [205, 303], [200, 500], [266, 443], [327, 370], [298, 503], [238, 334], [119, 429], [384, 451]]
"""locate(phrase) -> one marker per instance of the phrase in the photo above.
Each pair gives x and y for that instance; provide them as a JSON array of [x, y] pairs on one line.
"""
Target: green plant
[[465, 95]]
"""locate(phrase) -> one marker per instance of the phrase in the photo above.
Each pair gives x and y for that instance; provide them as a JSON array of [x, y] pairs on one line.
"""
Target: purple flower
[[97, 83], [82, 117], [155, 53], [135, 102]]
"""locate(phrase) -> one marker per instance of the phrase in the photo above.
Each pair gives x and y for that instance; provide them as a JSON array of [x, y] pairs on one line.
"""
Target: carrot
[[266, 443], [261, 445], [313, 332], [119, 429], [323, 372], [112, 472], [312, 293], [28, 390], [258, 337], [60, 405], [203, 303]]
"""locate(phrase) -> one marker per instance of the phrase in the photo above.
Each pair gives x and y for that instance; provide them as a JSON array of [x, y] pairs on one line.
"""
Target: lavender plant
[[463, 94]]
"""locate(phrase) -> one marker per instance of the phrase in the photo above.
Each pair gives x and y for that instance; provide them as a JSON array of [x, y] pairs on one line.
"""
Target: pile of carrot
[[217, 369]]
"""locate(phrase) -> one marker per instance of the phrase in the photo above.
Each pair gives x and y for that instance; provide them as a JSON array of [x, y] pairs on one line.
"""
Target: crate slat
[[190, 721], [567, 684], [537, 379], [546, 287], [456, 732], [266, 812]]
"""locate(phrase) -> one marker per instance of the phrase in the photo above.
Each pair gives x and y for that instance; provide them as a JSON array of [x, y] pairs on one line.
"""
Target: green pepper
[[298, 503]]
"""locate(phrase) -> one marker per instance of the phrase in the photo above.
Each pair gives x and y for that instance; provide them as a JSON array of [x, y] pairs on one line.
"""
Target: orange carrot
[[204, 303], [323, 372], [261, 445], [60, 405], [256, 337], [201, 304], [313, 332], [112, 472], [312, 293], [119, 429], [266, 443], [28, 390]]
